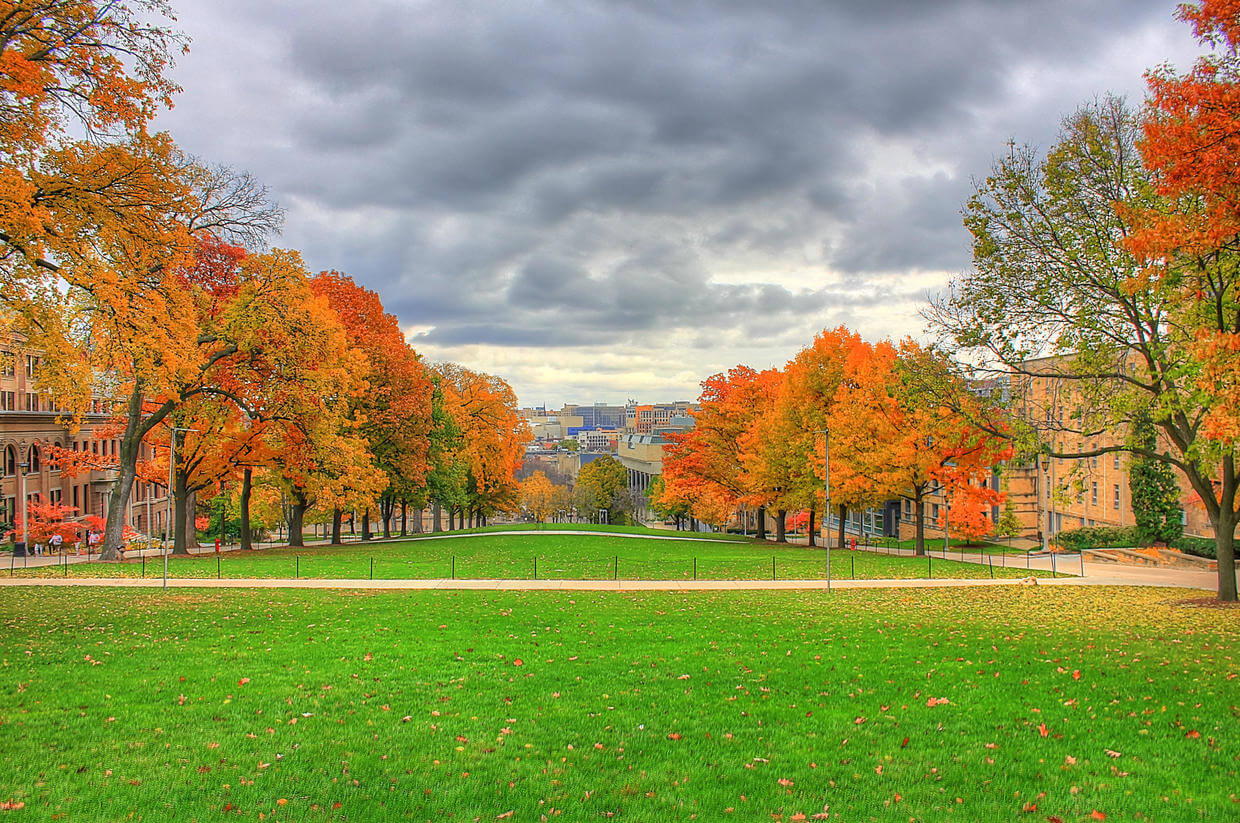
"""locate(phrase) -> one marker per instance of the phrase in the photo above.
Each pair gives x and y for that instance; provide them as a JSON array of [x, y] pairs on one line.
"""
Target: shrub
[[1200, 546], [1098, 537]]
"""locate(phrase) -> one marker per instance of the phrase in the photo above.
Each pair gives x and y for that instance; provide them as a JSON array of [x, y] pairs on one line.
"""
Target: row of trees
[[602, 485], [144, 277], [760, 439], [1118, 250]]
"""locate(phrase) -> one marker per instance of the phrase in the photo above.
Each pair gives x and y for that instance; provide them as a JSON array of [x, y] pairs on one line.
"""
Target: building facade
[[31, 424]]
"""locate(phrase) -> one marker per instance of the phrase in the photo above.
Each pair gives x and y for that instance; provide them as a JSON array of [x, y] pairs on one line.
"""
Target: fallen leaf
[[1042, 729]]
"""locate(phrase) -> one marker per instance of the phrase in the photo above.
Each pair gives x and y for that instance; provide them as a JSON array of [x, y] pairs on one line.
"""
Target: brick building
[[31, 422]]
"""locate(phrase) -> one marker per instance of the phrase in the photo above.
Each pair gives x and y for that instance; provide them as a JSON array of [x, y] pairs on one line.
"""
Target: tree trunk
[[246, 483], [781, 519], [297, 516], [919, 526], [762, 523], [809, 528], [404, 517], [180, 497], [118, 505], [436, 517], [843, 520], [1225, 551], [366, 535], [337, 517], [118, 502], [352, 523]]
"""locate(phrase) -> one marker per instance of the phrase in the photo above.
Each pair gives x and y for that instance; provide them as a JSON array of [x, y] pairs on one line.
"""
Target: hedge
[[1126, 537], [1098, 537], [1200, 546]]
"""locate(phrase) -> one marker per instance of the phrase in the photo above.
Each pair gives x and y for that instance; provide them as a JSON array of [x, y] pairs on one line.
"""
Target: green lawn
[[1022, 703], [579, 556]]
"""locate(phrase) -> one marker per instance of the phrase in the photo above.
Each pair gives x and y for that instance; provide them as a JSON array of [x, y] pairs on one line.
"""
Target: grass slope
[[579, 556], [1020, 704]]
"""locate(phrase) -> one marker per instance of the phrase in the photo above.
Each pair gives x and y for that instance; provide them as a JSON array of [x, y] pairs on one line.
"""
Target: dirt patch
[[354, 593]]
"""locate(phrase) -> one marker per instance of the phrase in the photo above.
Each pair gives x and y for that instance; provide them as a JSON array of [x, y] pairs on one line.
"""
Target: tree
[[665, 502], [1078, 256], [1155, 494], [705, 465], [491, 440], [1009, 523], [603, 483], [538, 497], [393, 414]]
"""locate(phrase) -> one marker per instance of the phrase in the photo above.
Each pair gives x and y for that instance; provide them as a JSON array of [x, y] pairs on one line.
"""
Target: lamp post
[[25, 510], [826, 497]]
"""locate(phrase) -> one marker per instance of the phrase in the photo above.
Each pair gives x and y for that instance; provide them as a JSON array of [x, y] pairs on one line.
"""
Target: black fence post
[[695, 567], [297, 566], [454, 567], [144, 565], [772, 568], [615, 567], [217, 567], [929, 567], [991, 558], [852, 562], [372, 567], [535, 567]]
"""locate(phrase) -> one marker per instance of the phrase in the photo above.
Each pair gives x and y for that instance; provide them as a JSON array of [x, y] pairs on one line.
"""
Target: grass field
[[297, 705], [584, 556]]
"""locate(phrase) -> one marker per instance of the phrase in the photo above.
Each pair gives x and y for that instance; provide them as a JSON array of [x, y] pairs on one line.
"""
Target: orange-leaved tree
[[1189, 244], [704, 465], [492, 437], [393, 414]]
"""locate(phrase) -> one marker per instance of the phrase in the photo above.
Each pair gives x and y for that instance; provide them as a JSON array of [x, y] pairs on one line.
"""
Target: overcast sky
[[602, 200]]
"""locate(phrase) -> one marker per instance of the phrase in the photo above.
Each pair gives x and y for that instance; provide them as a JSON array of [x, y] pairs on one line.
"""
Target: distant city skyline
[[612, 199]]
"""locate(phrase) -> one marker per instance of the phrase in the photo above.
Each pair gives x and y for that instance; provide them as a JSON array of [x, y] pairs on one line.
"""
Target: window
[[1116, 504], [1117, 461], [10, 461], [1093, 497], [31, 363], [934, 511], [8, 364], [32, 402], [34, 460]]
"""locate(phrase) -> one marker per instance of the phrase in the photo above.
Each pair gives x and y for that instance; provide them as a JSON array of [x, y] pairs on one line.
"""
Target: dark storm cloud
[[553, 174]]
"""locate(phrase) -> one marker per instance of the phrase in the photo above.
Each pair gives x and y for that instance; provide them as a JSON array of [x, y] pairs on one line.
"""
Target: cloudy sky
[[605, 199]]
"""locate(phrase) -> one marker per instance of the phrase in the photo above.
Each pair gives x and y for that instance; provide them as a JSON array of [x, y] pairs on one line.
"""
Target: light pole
[[826, 497], [25, 509]]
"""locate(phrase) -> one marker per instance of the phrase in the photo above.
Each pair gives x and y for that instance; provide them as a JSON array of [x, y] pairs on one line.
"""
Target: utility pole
[[826, 497]]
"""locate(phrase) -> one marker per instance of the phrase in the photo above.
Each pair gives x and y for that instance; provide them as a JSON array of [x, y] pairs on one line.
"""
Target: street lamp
[[25, 509]]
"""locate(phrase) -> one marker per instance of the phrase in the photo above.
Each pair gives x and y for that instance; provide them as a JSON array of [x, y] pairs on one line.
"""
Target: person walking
[[56, 541]]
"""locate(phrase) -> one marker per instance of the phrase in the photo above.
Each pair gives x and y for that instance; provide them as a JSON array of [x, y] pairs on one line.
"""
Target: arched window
[[35, 463], [10, 461]]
